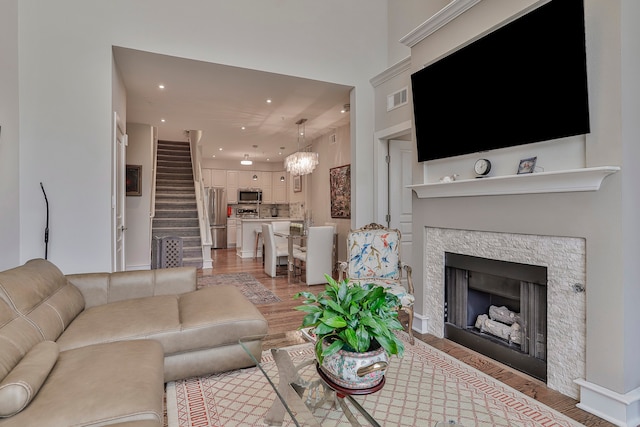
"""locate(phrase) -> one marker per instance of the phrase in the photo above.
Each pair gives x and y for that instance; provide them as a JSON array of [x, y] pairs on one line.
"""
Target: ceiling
[[220, 100]]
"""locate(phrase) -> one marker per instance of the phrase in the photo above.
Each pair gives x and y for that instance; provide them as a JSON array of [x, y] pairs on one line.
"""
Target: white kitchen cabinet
[[279, 188], [231, 233], [206, 177], [245, 179], [232, 187], [218, 178], [265, 186]]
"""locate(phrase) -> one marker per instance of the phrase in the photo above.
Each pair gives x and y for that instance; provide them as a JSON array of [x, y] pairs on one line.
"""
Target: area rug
[[436, 388], [245, 282]]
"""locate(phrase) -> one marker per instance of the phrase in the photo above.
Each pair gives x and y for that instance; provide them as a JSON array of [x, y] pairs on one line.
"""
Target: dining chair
[[318, 256], [281, 227], [273, 251], [373, 253]]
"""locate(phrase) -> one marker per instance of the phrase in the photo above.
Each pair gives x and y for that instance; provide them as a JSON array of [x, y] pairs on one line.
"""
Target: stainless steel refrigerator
[[217, 205]]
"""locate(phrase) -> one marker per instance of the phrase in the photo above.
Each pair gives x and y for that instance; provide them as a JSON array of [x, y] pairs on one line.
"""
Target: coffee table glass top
[[409, 397]]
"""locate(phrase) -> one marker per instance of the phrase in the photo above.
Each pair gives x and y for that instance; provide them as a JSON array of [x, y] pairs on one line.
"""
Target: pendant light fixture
[[246, 161], [301, 162]]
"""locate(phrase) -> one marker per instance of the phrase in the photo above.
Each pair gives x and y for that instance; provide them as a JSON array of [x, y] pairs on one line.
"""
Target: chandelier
[[301, 162]]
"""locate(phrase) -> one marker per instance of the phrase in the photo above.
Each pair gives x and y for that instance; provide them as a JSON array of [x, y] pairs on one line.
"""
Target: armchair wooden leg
[[409, 311]]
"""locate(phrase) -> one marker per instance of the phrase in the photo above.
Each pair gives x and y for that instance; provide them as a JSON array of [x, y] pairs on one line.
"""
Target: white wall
[[138, 208], [317, 184], [9, 137], [404, 17], [66, 91]]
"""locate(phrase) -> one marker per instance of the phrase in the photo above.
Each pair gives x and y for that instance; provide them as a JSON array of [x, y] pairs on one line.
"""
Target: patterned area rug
[[435, 386], [245, 282]]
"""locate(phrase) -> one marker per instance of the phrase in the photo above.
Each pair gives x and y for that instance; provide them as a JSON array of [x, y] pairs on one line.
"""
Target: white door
[[400, 197], [118, 193]]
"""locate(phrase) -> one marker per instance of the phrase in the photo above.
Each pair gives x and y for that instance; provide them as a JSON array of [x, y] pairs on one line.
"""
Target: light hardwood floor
[[284, 320]]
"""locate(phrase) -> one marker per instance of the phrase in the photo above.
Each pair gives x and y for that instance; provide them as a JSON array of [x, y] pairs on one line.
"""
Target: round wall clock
[[482, 167]]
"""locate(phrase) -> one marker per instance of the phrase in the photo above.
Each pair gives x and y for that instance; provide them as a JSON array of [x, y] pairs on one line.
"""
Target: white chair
[[318, 258], [281, 227], [273, 251]]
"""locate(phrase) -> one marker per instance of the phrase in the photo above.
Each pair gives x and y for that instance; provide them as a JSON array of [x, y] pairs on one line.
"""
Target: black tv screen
[[524, 82]]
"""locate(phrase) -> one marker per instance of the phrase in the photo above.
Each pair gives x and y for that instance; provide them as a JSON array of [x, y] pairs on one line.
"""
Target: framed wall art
[[340, 191], [527, 165], [133, 181], [297, 184]]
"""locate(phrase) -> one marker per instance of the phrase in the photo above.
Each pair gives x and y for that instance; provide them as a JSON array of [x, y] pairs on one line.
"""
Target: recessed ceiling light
[[268, 101], [220, 149], [243, 128], [160, 86], [162, 120], [213, 155]]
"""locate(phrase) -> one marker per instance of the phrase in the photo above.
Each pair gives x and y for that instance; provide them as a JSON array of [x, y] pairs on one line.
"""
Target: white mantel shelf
[[584, 179]]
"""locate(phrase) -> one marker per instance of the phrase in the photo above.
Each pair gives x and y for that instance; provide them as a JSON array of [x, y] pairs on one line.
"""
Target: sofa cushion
[[39, 291], [210, 317], [138, 318], [24, 381], [216, 316], [17, 337], [99, 385]]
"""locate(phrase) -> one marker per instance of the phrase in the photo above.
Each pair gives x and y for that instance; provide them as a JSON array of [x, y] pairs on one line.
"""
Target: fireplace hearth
[[499, 309]]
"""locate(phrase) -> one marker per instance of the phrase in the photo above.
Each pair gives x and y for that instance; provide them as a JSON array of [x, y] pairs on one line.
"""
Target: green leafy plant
[[352, 317]]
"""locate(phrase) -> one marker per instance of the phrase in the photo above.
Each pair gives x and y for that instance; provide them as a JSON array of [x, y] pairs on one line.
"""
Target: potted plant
[[353, 325]]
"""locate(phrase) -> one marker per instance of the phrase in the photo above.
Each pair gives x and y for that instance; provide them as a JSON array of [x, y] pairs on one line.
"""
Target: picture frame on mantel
[[133, 181], [527, 165], [297, 184], [340, 191]]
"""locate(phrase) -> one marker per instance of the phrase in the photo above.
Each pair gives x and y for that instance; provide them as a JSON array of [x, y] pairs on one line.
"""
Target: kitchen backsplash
[[281, 210]]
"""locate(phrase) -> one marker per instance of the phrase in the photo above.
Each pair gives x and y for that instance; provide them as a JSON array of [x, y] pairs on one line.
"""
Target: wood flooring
[[284, 320]]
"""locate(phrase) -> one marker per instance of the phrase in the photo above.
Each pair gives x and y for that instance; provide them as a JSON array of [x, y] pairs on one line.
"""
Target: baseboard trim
[[620, 409], [138, 267], [420, 323]]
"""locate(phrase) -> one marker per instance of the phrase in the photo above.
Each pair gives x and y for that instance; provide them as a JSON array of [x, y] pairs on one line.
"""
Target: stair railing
[[203, 214], [154, 170]]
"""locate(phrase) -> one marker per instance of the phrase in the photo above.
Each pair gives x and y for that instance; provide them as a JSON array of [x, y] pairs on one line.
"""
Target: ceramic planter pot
[[356, 370]]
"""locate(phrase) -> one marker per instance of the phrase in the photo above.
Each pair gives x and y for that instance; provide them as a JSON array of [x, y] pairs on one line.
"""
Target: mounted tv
[[522, 83]]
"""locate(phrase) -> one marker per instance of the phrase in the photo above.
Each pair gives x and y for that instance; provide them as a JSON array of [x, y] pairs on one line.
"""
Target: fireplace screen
[[499, 309]]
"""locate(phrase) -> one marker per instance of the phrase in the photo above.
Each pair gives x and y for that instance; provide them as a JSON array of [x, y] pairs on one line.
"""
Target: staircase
[[176, 212]]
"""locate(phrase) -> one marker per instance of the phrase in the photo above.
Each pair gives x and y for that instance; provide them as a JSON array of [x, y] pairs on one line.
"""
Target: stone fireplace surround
[[564, 258]]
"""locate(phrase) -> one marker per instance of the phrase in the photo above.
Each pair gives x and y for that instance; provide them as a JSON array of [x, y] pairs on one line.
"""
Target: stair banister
[[203, 215]]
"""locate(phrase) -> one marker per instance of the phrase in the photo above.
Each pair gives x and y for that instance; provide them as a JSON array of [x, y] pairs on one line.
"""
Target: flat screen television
[[522, 83]]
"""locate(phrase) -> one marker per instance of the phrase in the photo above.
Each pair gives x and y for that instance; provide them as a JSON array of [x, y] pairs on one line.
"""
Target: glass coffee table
[[303, 396]]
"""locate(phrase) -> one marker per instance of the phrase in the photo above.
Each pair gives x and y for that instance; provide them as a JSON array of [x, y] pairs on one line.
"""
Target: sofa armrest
[[103, 288]]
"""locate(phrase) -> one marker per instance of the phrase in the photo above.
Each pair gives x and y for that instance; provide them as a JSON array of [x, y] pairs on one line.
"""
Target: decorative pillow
[[23, 382]]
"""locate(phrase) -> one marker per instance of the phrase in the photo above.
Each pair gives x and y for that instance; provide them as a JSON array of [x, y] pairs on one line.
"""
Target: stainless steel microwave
[[249, 196]]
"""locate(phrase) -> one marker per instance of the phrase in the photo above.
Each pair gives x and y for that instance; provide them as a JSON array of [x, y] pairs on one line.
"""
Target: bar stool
[[258, 237]]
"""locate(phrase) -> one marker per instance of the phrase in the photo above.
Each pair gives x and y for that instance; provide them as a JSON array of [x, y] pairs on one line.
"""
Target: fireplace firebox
[[498, 309]]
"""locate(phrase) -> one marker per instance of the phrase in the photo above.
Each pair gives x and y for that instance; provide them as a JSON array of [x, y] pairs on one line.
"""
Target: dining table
[[291, 238]]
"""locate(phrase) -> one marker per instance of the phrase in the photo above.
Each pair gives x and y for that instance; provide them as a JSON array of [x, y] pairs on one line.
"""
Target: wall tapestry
[[340, 191]]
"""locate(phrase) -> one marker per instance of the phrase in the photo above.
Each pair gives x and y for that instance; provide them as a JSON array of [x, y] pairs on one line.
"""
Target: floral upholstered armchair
[[373, 253]]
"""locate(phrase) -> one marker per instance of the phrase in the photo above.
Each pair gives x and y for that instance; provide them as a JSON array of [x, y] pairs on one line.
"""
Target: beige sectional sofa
[[96, 349]]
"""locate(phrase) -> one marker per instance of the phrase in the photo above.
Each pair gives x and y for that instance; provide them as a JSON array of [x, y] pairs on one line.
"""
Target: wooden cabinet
[[279, 188], [232, 187], [231, 232], [206, 177], [245, 179], [265, 186], [218, 178], [273, 190]]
